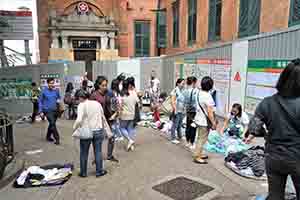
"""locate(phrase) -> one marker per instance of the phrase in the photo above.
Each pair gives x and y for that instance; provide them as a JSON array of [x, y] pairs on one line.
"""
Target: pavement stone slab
[[154, 159]]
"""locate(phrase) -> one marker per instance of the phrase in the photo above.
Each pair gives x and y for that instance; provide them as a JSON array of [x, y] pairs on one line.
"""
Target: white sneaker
[[193, 147], [130, 143], [175, 141], [188, 145], [118, 139], [132, 147]]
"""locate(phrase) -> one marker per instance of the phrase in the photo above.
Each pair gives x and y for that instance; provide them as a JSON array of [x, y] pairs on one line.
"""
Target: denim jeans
[[278, 171], [127, 129], [52, 130], [115, 127], [84, 152], [177, 123]]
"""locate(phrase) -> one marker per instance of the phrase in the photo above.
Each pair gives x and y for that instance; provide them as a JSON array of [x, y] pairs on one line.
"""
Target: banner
[[262, 77], [56, 77], [15, 88]]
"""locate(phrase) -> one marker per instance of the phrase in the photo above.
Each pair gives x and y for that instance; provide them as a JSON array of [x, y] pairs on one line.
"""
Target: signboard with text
[[16, 25]]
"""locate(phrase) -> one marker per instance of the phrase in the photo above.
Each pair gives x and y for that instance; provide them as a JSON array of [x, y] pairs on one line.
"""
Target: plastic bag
[[290, 189]]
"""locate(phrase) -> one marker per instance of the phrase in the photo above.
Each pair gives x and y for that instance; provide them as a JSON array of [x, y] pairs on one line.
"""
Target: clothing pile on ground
[[249, 163], [27, 119], [164, 125], [49, 175], [224, 144]]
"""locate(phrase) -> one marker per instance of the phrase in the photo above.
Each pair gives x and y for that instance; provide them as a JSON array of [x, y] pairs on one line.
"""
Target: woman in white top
[[90, 115], [236, 123], [127, 115], [204, 118]]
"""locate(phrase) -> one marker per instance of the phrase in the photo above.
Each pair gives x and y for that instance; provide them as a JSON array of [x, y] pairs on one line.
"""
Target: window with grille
[[249, 17], [142, 38], [294, 13], [215, 19], [161, 29], [175, 8], [192, 21]]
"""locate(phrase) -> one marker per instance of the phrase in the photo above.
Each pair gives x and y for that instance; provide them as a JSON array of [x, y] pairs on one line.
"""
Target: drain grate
[[182, 188]]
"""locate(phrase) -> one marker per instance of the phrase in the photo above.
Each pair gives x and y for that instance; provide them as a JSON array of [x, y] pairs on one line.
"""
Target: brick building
[[105, 29]]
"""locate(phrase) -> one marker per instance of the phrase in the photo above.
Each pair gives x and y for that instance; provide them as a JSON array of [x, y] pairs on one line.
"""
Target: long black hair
[[239, 108], [125, 90], [288, 84], [131, 81], [69, 87], [99, 81], [115, 86]]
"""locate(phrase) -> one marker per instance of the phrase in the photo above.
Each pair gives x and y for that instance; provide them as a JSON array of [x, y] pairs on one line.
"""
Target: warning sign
[[237, 76]]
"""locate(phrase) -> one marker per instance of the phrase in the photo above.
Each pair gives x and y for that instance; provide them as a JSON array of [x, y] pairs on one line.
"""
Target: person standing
[[35, 94], [280, 114], [191, 108], [115, 107], [154, 96], [101, 95], [69, 99], [48, 106], [127, 115], [204, 118], [91, 116], [178, 103]]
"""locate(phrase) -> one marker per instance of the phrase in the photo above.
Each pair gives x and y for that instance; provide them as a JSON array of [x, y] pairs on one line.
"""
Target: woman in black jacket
[[281, 115]]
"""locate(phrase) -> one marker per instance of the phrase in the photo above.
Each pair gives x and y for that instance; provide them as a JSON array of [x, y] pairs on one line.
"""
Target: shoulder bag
[[83, 133], [209, 123]]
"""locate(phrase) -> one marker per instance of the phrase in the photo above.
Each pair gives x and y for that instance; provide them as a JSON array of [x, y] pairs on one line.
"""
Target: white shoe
[[188, 145], [132, 147], [193, 147], [130, 143], [118, 139], [175, 141]]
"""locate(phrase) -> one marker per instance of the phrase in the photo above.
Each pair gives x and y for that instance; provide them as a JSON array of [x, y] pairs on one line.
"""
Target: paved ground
[[154, 161]]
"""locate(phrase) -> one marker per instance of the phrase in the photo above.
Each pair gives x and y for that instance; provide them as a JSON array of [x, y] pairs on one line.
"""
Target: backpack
[[68, 99], [189, 106]]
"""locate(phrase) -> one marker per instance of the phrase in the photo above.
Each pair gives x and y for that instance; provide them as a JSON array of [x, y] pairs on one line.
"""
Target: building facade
[[107, 29]]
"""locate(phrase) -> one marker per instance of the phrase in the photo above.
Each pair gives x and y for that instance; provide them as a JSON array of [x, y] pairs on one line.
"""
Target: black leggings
[[190, 132], [278, 171]]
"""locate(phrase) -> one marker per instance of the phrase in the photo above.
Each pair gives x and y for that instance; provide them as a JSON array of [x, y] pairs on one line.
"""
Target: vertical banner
[[262, 76], [220, 71], [131, 68], [239, 72]]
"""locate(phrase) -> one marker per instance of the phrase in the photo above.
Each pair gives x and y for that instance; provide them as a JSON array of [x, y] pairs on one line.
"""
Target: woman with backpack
[[191, 107]]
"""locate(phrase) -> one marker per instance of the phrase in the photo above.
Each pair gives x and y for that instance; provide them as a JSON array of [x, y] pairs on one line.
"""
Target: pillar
[[104, 42], [27, 52], [65, 43]]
